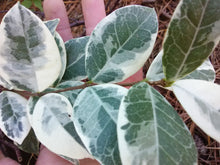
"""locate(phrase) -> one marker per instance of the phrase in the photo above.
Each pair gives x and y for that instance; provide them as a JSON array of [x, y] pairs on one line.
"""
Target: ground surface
[[208, 149]]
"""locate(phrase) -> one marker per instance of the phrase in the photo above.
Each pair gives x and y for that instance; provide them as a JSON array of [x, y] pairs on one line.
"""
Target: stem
[[28, 94]]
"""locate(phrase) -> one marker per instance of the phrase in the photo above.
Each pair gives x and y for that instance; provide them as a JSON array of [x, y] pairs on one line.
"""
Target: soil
[[208, 149]]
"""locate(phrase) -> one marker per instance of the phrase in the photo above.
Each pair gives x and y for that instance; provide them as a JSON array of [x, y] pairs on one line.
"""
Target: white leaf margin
[[201, 100]]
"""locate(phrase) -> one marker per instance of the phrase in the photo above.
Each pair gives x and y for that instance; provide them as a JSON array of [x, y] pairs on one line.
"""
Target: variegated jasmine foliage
[[28, 51], [13, 116], [54, 129], [5, 84], [71, 95], [30, 143], [120, 44], [75, 49], [30, 107], [95, 117], [204, 72], [52, 25], [151, 132], [192, 35], [201, 101], [63, 56]]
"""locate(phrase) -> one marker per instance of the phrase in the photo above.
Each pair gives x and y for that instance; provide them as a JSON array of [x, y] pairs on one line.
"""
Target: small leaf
[[204, 72], [95, 118], [27, 3], [201, 101], [120, 44], [52, 25], [192, 35], [75, 49], [63, 56], [54, 129], [30, 58], [151, 132], [13, 116], [30, 143]]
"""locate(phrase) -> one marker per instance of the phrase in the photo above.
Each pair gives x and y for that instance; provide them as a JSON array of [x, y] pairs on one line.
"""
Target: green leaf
[[204, 72], [192, 35], [13, 116], [95, 118], [54, 129], [38, 4], [28, 51], [201, 101], [52, 25], [151, 132], [30, 143], [63, 56], [120, 44], [30, 107], [27, 3], [75, 49]]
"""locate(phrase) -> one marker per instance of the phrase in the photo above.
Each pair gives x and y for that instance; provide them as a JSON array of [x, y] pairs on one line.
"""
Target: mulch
[[208, 149]]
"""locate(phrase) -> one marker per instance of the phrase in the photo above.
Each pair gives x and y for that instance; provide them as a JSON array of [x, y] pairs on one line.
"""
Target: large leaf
[[75, 69], [192, 35], [120, 44], [53, 127], [201, 100], [204, 72], [13, 116], [151, 132], [29, 56], [95, 118]]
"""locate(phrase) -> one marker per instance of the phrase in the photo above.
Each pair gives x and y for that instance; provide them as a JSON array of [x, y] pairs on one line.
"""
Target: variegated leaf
[[52, 25], [151, 132], [192, 35], [29, 56], [75, 69], [13, 116], [201, 100], [54, 129], [63, 56], [95, 117], [120, 44], [204, 72]]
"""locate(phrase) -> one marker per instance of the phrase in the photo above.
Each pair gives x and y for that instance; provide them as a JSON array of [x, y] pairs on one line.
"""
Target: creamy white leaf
[[201, 100], [29, 56], [53, 127], [13, 116]]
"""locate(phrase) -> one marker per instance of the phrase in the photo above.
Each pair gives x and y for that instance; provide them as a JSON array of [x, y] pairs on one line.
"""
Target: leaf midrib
[[192, 43]]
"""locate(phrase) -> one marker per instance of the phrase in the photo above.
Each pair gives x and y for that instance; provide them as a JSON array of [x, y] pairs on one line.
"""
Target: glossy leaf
[[75, 69], [151, 132], [192, 35], [204, 72], [28, 52], [120, 44], [201, 101], [13, 116], [95, 118], [52, 25], [30, 143], [63, 56], [54, 129]]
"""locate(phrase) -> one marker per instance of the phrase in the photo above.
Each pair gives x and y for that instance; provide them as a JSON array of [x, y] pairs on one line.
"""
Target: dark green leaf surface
[[75, 69], [95, 118], [151, 132], [120, 44], [13, 116], [192, 35]]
